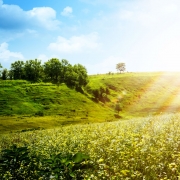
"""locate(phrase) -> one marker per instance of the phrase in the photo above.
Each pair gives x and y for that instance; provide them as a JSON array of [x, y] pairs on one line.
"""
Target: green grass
[[143, 144], [44, 105], [26, 106], [141, 94]]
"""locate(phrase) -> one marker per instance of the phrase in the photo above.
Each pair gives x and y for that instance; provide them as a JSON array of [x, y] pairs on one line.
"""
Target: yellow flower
[[100, 160]]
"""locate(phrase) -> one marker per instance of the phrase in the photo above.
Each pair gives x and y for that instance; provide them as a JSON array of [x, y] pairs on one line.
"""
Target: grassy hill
[[141, 94], [26, 106], [43, 105], [146, 147]]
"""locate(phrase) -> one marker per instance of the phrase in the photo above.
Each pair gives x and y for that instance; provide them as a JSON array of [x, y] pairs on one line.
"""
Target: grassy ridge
[[43, 99], [43, 105], [142, 94]]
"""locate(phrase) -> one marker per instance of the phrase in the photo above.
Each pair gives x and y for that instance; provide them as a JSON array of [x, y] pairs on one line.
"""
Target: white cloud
[[46, 16], [75, 44], [13, 17], [6, 54], [67, 11]]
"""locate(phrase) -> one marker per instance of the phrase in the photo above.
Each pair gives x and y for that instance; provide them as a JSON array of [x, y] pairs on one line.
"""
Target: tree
[[10, 74], [4, 74], [71, 77], [65, 65], [52, 69], [82, 74], [17, 69], [121, 67], [76, 77], [0, 68], [33, 70]]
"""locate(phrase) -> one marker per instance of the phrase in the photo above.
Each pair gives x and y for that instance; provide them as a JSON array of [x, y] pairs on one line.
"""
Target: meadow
[[141, 148], [48, 121]]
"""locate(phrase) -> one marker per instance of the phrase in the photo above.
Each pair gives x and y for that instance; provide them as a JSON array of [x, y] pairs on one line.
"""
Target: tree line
[[54, 70]]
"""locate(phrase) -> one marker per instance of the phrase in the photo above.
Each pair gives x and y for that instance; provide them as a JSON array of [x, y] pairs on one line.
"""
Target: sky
[[143, 34]]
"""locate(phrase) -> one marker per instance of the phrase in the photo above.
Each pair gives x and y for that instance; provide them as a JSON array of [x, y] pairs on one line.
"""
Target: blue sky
[[144, 34]]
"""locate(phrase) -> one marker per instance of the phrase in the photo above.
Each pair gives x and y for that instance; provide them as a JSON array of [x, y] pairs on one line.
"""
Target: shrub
[[39, 113], [17, 164]]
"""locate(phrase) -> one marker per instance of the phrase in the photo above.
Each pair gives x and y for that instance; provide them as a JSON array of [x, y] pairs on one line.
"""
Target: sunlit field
[[90, 90], [25, 106], [141, 94], [143, 148], [142, 141]]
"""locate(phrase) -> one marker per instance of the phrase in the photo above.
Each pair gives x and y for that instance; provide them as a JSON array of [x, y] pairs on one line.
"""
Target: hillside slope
[[140, 94], [44, 105]]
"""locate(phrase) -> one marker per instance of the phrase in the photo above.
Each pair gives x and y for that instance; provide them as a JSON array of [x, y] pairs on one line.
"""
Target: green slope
[[43, 105], [141, 94]]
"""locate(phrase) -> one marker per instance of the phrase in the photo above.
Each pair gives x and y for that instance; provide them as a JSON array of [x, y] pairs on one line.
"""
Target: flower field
[[142, 148]]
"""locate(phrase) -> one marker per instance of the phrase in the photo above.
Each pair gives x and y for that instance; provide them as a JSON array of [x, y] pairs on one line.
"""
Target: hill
[[26, 106], [141, 94], [44, 105]]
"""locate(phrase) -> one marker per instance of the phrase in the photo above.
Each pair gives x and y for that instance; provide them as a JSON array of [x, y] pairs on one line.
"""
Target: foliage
[[64, 166], [63, 72], [16, 163], [17, 69], [33, 70], [0, 68], [4, 74], [121, 67], [141, 148], [52, 70], [71, 77], [82, 77], [99, 93]]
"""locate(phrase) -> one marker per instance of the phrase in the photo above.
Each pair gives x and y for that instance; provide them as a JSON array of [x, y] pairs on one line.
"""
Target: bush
[[100, 94], [39, 113], [17, 164]]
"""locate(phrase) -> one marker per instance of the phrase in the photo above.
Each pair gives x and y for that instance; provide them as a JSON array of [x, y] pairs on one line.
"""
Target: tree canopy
[[33, 70], [54, 70], [121, 67]]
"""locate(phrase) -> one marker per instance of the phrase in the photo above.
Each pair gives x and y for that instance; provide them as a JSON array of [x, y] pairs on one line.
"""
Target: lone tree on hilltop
[[121, 67]]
